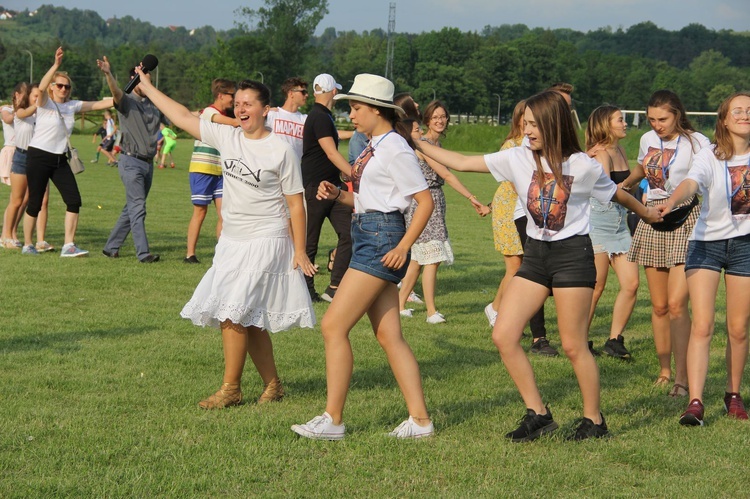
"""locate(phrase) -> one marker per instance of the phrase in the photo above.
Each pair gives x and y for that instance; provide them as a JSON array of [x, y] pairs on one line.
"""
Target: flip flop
[[675, 391]]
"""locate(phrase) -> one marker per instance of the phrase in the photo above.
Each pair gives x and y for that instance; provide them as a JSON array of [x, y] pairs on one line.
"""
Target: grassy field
[[101, 377]]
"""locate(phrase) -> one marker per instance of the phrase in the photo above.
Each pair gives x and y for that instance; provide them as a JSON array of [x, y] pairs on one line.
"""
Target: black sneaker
[[328, 294], [191, 259], [587, 429], [615, 347], [532, 426], [542, 347], [150, 258], [315, 297], [595, 353]]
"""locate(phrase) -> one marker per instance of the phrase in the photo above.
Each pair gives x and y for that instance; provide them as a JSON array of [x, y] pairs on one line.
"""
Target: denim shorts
[[568, 263], [732, 255], [18, 166], [373, 235]]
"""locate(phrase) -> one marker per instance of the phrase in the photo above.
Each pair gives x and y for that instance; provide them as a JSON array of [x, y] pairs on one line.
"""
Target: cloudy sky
[[416, 16]]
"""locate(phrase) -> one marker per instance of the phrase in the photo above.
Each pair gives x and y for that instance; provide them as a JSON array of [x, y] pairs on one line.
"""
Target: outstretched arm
[[176, 112], [648, 214], [453, 160], [47, 78], [453, 181], [682, 193]]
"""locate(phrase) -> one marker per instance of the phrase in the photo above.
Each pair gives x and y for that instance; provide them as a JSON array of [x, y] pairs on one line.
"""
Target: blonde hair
[[65, 75], [724, 149], [516, 125], [598, 129]]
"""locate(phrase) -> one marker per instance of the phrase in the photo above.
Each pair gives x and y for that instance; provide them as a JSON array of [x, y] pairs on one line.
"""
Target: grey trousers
[[136, 176]]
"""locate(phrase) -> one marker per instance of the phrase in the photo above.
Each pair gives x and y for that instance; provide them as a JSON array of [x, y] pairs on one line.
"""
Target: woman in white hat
[[386, 177]]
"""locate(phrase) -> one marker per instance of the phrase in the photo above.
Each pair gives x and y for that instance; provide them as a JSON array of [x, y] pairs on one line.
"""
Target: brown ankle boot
[[272, 393], [228, 395]]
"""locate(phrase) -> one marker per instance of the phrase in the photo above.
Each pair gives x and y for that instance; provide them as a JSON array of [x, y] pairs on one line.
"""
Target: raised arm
[[453, 160], [105, 68], [47, 78], [173, 110]]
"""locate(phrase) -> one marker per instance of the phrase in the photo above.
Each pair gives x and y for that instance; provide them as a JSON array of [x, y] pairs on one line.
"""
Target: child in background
[[170, 140]]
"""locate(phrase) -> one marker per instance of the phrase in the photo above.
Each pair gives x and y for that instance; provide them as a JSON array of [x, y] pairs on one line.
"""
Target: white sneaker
[[320, 428], [491, 314], [407, 312], [410, 429], [414, 298], [436, 318]]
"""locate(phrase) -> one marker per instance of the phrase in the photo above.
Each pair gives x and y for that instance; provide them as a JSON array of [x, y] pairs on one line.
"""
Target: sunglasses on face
[[62, 85], [302, 91]]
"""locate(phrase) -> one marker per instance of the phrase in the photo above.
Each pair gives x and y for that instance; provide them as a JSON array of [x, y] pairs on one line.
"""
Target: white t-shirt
[[552, 213], [49, 133], [9, 135], [390, 176], [257, 175], [288, 126], [24, 130], [666, 164], [110, 127], [725, 187]]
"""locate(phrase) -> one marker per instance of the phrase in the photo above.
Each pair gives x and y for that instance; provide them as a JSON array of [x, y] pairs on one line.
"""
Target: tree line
[[472, 72]]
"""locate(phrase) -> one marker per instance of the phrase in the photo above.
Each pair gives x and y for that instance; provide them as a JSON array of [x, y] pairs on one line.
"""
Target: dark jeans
[[340, 217], [537, 321], [43, 166]]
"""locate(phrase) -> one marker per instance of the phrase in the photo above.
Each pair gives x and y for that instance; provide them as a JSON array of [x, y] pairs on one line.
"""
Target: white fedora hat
[[371, 89]]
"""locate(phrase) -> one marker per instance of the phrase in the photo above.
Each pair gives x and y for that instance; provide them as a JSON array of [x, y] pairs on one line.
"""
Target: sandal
[[331, 258], [228, 395], [272, 393], [678, 390], [662, 381]]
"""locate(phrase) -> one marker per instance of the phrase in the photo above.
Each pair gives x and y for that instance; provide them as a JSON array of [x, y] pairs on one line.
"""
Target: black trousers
[[340, 217], [43, 166], [537, 321]]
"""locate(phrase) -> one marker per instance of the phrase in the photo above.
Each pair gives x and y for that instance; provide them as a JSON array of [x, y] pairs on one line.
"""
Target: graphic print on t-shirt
[[288, 128], [549, 205], [656, 164], [740, 179], [236, 168]]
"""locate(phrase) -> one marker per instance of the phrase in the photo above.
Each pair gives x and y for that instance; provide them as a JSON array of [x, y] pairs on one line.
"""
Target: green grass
[[100, 380]]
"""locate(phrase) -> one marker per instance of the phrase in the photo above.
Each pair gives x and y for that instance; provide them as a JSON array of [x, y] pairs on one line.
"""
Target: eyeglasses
[[439, 118], [737, 112], [301, 90], [62, 85], [229, 94]]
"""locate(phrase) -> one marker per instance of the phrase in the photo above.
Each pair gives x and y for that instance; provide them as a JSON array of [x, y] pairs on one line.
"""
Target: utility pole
[[391, 41], [31, 67]]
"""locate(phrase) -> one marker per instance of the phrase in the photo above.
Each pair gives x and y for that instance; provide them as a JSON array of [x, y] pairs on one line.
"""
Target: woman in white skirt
[[256, 283]]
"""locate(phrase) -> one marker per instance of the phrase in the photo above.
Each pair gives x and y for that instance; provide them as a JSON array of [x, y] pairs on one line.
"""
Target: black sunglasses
[[62, 85]]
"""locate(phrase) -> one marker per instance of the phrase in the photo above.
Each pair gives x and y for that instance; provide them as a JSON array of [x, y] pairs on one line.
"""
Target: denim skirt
[[373, 235]]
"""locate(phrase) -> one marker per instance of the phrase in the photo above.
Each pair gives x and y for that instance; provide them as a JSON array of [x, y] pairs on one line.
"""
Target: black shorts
[[108, 144], [568, 263]]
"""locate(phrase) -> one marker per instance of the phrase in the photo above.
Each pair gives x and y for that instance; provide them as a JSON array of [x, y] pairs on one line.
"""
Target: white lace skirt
[[252, 283]]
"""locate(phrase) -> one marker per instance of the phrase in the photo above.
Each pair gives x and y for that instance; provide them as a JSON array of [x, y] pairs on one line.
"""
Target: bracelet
[[471, 197], [337, 195]]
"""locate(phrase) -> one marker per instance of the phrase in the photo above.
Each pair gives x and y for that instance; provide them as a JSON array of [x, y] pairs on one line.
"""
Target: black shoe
[[191, 259], [329, 293], [315, 297], [532, 426], [150, 258], [615, 347], [587, 429], [542, 347], [111, 254], [595, 353]]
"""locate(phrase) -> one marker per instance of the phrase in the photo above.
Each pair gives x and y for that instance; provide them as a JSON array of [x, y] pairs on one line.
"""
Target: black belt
[[147, 159], [21, 150]]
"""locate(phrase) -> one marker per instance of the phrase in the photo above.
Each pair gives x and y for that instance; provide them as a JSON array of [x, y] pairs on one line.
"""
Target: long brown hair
[[559, 139], [724, 149], [671, 101], [23, 89], [516, 125], [598, 130]]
